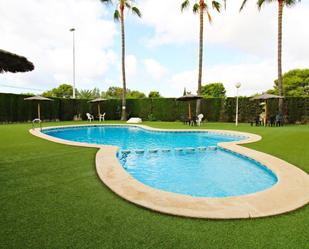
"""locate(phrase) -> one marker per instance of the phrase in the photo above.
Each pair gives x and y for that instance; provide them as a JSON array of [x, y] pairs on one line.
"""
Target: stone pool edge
[[289, 193]]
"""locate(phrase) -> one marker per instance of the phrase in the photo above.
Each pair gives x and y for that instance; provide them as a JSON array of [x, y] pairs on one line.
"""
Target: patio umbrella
[[14, 63], [98, 101], [38, 98], [265, 97], [189, 97]]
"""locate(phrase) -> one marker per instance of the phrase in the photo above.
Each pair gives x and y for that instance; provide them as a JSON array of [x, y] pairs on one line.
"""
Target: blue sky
[[162, 47]]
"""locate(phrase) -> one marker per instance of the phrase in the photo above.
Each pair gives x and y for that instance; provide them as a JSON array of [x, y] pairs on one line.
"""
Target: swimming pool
[[187, 163]]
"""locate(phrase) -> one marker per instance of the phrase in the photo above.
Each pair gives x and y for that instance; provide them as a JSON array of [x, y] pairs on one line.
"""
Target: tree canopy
[[135, 94], [66, 91], [62, 91], [89, 94], [295, 83], [116, 92], [215, 90], [154, 94], [260, 3]]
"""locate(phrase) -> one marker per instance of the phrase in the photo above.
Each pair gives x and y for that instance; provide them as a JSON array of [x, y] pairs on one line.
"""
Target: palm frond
[[116, 15], [260, 3], [106, 1], [205, 7], [242, 5], [196, 8], [216, 5], [290, 3], [185, 5], [128, 5], [209, 16], [136, 11]]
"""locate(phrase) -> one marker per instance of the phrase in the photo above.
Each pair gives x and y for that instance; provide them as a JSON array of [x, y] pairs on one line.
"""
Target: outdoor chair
[[279, 120], [89, 117], [272, 121], [184, 119], [199, 119], [102, 117], [193, 121], [257, 121]]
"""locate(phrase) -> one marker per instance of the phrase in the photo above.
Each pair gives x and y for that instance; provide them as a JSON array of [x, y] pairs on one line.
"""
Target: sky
[[161, 47]]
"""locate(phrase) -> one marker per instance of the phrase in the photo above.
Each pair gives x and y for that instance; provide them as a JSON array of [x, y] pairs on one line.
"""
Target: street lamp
[[237, 85], [73, 32]]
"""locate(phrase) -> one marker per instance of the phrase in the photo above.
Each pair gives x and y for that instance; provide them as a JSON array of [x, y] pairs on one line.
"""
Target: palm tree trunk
[[124, 90], [200, 67], [280, 87]]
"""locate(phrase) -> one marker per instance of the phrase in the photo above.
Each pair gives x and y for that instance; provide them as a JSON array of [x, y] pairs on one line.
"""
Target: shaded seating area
[[274, 120], [193, 121], [190, 119], [38, 99], [185, 119], [265, 118], [100, 116]]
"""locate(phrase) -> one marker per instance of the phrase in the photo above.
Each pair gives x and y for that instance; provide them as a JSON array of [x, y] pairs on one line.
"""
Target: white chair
[[199, 119], [102, 117], [89, 117]]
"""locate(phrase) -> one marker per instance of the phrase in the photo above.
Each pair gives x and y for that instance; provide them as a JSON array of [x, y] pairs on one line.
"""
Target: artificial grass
[[51, 197]]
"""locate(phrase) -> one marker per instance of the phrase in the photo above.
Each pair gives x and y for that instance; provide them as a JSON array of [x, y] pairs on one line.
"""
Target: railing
[[36, 120]]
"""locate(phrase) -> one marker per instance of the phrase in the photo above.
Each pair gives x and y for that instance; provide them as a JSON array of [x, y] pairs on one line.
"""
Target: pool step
[[153, 150], [166, 150], [186, 149]]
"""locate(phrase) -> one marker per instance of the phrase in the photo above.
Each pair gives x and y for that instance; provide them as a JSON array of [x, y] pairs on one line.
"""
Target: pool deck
[[289, 193]]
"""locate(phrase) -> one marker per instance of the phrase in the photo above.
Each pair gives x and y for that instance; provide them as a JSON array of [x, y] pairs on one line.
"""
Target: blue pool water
[[181, 162]]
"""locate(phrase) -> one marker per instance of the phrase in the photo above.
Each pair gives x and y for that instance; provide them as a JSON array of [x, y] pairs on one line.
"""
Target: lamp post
[[73, 32], [237, 85]]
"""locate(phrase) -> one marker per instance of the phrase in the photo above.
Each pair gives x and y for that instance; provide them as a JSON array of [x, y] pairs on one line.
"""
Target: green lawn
[[51, 197]]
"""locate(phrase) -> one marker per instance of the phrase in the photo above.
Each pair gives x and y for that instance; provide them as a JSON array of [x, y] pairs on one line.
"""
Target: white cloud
[[170, 25], [39, 30], [252, 34], [255, 77], [251, 31], [154, 69], [229, 75]]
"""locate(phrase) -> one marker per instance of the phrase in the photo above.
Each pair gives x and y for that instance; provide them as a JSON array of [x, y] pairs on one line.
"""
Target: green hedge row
[[13, 108]]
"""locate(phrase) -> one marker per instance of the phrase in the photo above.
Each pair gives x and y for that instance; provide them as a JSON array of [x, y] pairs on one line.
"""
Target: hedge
[[13, 108]]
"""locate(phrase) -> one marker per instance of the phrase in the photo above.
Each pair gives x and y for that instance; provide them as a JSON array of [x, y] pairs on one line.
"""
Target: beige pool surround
[[289, 193]]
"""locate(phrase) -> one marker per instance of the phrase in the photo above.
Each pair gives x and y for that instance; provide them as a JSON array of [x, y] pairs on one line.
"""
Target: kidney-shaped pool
[[189, 163]]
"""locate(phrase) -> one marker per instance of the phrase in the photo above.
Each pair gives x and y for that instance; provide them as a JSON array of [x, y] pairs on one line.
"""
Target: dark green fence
[[13, 108]]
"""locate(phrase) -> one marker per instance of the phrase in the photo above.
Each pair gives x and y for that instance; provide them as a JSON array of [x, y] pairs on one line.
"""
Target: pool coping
[[289, 193]]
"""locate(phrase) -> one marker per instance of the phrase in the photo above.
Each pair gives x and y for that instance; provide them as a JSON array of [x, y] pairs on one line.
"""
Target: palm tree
[[121, 5], [200, 8], [281, 4]]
